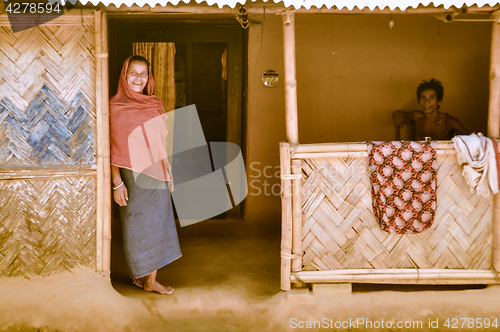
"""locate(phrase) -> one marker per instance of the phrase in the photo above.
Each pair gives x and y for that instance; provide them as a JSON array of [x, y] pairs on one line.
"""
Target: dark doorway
[[208, 71], [201, 79]]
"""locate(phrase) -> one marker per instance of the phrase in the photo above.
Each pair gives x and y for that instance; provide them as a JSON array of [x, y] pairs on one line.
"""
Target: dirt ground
[[228, 280]]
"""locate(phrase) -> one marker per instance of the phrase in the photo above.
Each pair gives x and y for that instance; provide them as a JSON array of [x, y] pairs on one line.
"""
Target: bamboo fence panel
[[47, 226], [48, 167], [340, 231]]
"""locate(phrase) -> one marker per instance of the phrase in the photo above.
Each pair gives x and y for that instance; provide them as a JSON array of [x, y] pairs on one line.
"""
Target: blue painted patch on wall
[[48, 132]]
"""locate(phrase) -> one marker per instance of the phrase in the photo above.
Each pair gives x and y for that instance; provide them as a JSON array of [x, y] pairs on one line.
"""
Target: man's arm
[[457, 126], [399, 116]]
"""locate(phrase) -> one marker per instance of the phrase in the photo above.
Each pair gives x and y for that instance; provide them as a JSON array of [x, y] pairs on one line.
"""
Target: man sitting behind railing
[[429, 121]]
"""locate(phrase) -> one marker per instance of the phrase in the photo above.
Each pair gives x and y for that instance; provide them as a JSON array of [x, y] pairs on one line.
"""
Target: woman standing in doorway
[[142, 177]]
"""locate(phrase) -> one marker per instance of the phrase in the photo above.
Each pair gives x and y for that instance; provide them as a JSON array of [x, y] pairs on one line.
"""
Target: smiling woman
[[142, 193], [137, 74]]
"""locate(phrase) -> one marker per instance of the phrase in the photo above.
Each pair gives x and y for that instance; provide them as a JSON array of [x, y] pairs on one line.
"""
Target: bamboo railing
[[340, 240]]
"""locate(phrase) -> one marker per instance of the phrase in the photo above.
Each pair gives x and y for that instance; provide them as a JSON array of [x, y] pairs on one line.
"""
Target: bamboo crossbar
[[395, 276], [73, 17], [350, 150], [45, 172], [350, 147]]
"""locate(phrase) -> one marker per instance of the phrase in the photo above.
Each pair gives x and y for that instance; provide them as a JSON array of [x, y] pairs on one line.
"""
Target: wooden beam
[[494, 103], [398, 276], [286, 216], [350, 150], [100, 163], [494, 129], [297, 216], [46, 172], [105, 149], [292, 126], [352, 147], [103, 223]]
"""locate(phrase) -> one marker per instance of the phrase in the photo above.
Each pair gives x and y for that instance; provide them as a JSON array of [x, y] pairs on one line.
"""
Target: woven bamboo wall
[[47, 118], [341, 232]]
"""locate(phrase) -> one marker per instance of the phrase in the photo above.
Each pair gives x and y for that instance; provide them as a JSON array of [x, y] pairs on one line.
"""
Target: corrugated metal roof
[[307, 4]]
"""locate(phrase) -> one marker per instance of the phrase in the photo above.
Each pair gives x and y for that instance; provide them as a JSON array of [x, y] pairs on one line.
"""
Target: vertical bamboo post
[[100, 164], [292, 126], [297, 216], [494, 103], [291, 228], [105, 153], [494, 127], [286, 216]]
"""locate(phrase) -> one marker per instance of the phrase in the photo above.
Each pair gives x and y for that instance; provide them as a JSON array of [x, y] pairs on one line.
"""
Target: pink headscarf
[[137, 129]]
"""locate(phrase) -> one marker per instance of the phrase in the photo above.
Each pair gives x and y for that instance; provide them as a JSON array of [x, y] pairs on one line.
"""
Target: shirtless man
[[429, 121]]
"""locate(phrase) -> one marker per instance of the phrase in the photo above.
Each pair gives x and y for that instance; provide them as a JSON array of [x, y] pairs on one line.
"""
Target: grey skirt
[[150, 238]]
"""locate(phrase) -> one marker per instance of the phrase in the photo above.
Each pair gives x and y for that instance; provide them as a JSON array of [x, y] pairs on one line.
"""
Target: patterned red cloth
[[403, 176]]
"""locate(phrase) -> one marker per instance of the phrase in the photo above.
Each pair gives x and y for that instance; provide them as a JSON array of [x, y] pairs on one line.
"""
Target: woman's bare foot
[[139, 282], [155, 286], [149, 284]]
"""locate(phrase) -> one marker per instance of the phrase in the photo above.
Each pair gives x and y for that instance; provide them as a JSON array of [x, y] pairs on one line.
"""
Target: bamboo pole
[[290, 220], [100, 163], [286, 216], [494, 130], [352, 147], [336, 154], [496, 233], [398, 276], [106, 230], [494, 103], [292, 126], [359, 154], [297, 216], [46, 172]]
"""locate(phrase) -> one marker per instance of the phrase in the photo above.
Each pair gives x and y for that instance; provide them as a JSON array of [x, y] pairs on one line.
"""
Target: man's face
[[428, 101]]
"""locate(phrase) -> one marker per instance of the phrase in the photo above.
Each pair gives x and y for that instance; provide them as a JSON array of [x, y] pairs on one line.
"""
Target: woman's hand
[[171, 179], [121, 195]]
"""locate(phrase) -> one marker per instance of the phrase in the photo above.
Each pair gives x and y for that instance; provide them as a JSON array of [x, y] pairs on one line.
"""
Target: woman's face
[[137, 76]]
